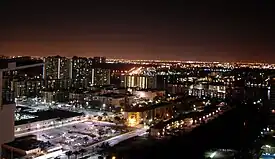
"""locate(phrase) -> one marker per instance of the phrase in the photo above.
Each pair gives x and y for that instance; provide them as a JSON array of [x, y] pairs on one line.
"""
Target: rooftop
[[150, 107], [28, 143], [115, 95], [46, 115], [22, 61]]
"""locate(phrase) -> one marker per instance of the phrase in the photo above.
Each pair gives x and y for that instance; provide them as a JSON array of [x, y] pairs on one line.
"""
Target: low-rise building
[[30, 147], [53, 96], [177, 88], [178, 122], [44, 119], [113, 99], [137, 115]]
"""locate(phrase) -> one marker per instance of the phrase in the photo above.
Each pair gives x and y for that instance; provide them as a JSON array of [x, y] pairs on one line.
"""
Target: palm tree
[[76, 153], [117, 120], [82, 151], [86, 139], [99, 118], [69, 154], [106, 145]]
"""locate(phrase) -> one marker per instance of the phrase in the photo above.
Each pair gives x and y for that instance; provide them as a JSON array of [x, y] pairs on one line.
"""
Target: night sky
[[170, 31]]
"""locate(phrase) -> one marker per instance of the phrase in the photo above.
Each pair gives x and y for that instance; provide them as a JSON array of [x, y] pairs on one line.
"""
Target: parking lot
[[81, 135]]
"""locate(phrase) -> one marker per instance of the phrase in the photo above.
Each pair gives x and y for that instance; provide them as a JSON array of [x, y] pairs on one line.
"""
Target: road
[[117, 139]]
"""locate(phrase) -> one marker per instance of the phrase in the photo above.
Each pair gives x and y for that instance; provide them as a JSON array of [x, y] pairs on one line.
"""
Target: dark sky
[[173, 31]]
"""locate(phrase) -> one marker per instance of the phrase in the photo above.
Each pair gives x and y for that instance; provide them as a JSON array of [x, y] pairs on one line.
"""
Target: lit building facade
[[135, 117], [57, 84], [100, 76], [207, 91], [57, 67], [80, 68], [142, 82], [82, 72], [116, 100], [29, 88]]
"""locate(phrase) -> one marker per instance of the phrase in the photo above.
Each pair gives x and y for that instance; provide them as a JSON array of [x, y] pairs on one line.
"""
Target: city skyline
[[60, 107], [117, 80], [210, 32]]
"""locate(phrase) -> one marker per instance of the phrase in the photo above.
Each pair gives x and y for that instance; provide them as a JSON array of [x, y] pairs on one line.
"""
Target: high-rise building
[[162, 81], [81, 71], [99, 60], [57, 67], [101, 76], [140, 81], [80, 68], [29, 88], [140, 77]]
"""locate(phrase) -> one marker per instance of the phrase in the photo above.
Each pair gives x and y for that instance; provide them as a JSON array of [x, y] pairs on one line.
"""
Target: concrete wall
[[7, 123]]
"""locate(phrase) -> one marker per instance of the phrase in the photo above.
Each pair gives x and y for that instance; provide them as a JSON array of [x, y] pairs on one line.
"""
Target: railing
[[8, 97]]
